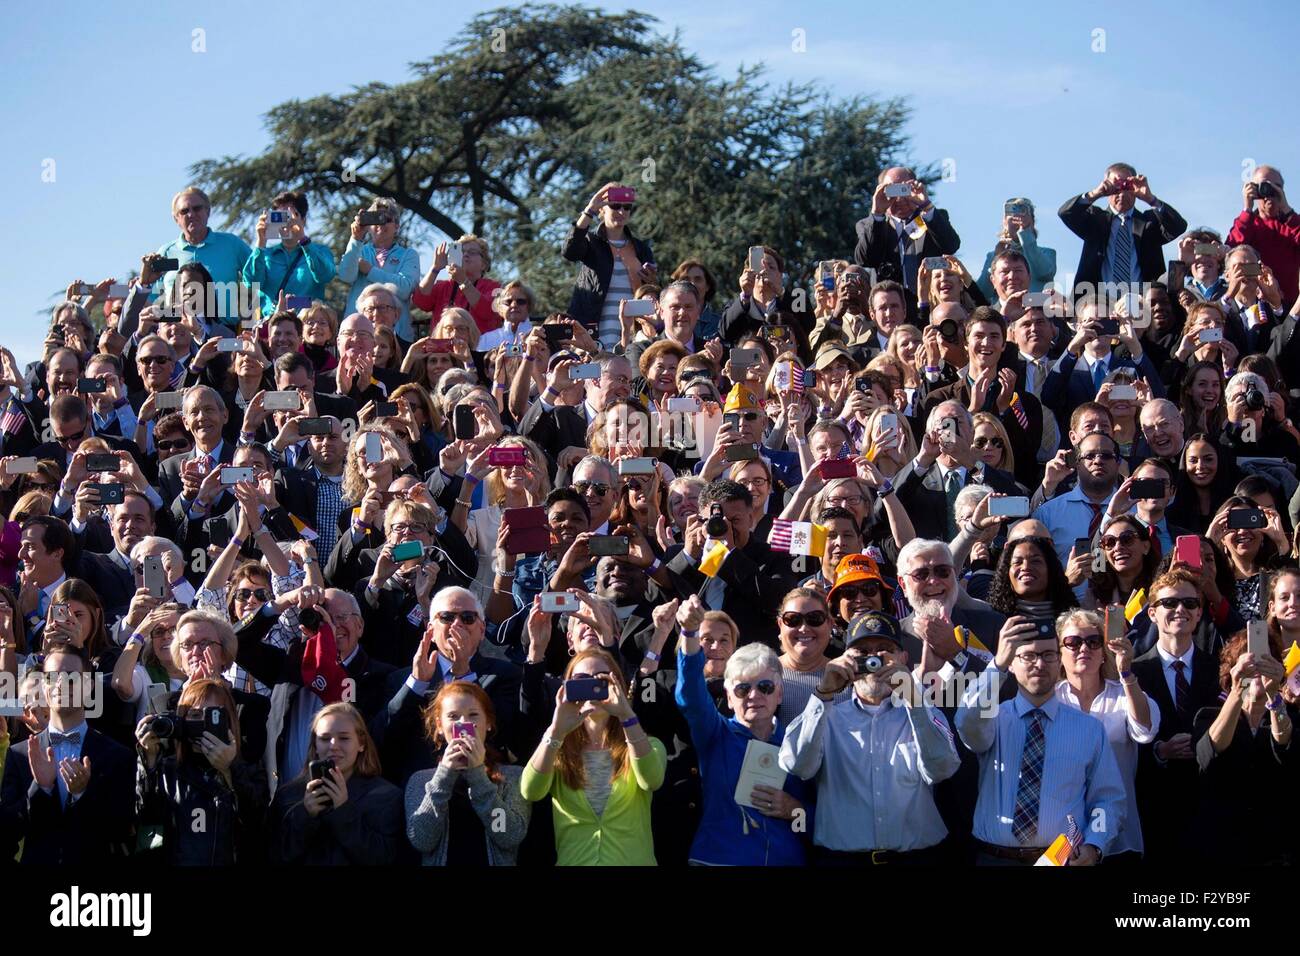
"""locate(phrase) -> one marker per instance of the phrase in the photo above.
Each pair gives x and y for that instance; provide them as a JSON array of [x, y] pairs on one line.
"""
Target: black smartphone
[[217, 723], [1242, 518], [103, 461], [557, 335], [742, 452], [578, 689], [219, 533], [464, 425], [606, 544], [370, 217], [1147, 488], [319, 769], [315, 426], [1107, 326], [91, 386], [1083, 545], [166, 265], [113, 494], [386, 409]]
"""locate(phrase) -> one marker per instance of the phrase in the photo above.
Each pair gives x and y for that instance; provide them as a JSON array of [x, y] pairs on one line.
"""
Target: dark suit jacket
[[923, 496], [1069, 384], [756, 578], [1024, 440], [327, 383], [92, 830], [563, 426], [877, 246], [114, 584], [1152, 228], [1167, 792], [57, 453], [169, 480]]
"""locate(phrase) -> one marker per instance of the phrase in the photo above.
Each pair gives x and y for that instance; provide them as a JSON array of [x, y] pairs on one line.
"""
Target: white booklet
[[760, 768]]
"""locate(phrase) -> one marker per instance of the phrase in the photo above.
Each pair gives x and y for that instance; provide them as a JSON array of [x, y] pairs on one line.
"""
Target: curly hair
[[1002, 595]]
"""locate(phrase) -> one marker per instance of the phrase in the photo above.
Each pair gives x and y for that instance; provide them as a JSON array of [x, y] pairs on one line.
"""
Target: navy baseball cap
[[873, 624]]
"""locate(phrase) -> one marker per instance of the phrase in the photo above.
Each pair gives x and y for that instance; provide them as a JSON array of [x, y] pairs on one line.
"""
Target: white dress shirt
[[1171, 675]]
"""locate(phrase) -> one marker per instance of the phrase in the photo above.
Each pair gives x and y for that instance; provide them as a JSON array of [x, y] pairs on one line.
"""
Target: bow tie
[[58, 738]]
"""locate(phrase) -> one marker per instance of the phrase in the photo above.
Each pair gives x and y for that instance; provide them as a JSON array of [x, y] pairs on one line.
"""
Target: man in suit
[[356, 375], [448, 651], [1081, 370], [903, 230], [110, 572], [1034, 335], [752, 578], [295, 372], [1181, 679], [111, 413], [1121, 246], [679, 306], [68, 793], [558, 420], [988, 384], [928, 485], [69, 426], [189, 483], [764, 300]]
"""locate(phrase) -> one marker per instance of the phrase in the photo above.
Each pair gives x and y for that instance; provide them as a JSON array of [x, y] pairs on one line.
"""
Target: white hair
[[149, 543], [381, 288], [751, 661], [969, 497], [920, 546], [1243, 380], [439, 602], [345, 596]]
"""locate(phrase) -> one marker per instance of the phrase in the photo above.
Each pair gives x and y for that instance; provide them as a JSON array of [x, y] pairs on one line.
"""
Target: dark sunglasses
[[765, 687], [1076, 641], [449, 617], [622, 206], [516, 301], [941, 572], [747, 416], [599, 487], [794, 619], [852, 592], [178, 444], [153, 359], [1109, 541], [243, 594], [991, 442], [1170, 603]]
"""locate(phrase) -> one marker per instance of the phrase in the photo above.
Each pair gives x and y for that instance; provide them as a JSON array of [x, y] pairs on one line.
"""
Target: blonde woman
[[992, 444], [466, 285], [320, 330]]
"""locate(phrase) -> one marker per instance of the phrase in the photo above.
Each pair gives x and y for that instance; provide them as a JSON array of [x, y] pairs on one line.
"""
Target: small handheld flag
[[1018, 410], [1135, 604], [798, 537]]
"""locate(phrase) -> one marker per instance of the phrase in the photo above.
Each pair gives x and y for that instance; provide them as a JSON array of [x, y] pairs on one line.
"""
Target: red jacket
[[1278, 243], [440, 297]]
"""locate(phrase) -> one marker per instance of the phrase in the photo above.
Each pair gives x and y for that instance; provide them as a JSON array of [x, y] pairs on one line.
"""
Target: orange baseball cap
[[854, 568]]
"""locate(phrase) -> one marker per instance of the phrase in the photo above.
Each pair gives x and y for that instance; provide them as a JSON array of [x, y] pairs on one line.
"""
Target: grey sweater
[[501, 807]]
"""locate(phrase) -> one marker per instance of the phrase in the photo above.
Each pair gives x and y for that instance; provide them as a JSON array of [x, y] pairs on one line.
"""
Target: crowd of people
[[888, 564]]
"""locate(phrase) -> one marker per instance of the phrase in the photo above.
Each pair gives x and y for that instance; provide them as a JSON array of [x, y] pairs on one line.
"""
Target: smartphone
[[464, 424], [92, 386], [110, 494], [837, 468], [1072, 458], [897, 191], [755, 258], [21, 466], [528, 532], [744, 358], [232, 476], [1015, 209], [455, 256], [408, 550], [948, 429], [1083, 545], [559, 602], [386, 409], [319, 769], [315, 426], [1251, 269], [155, 579], [297, 302], [439, 346], [686, 404], [1009, 507], [579, 689], [103, 461], [809, 379], [61, 613], [935, 264], [557, 335], [1123, 393], [462, 728], [158, 696], [888, 421], [1034, 300], [1116, 623], [1205, 249], [373, 217], [622, 194], [1242, 518], [166, 265], [601, 545], [216, 722], [640, 307], [374, 448], [230, 345], [168, 401], [1205, 336], [1257, 638], [1187, 550], [743, 452], [775, 333], [288, 400], [1107, 326], [1150, 488], [219, 531], [636, 466], [589, 371], [507, 455]]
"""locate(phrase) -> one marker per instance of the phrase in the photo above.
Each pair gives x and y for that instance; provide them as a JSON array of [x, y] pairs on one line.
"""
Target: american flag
[[1072, 831], [797, 537], [1019, 410], [12, 419]]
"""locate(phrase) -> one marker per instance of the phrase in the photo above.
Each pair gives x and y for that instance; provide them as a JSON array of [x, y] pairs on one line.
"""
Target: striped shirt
[[798, 687], [620, 288]]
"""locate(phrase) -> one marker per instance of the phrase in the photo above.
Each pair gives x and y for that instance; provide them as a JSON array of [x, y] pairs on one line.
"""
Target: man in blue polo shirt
[[222, 253]]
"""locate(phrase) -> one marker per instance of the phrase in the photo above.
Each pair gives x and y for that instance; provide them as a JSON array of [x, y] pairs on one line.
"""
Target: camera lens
[[164, 726], [716, 526], [1266, 190], [1255, 400], [948, 330]]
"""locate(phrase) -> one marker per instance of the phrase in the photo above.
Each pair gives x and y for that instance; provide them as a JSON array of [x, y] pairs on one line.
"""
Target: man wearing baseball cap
[[875, 756]]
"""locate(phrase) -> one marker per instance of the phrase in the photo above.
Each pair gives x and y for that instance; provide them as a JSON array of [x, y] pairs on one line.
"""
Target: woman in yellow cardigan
[[600, 780]]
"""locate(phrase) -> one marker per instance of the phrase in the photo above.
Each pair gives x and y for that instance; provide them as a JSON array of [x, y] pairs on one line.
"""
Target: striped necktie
[[1123, 271], [1182, 689], [1024, 819]]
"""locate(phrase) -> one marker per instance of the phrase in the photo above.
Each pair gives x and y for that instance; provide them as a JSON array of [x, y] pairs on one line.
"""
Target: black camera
[[319, 769], [871, 664], [192, 726], [1266, 190], [948, 330], [716, 526], [1255, 399]]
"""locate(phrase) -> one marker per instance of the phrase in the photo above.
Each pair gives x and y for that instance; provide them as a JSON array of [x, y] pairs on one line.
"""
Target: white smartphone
[[897, 190], [168, 401], [1010, 507], [559, 602], [230, 345], [755, 258], [286, 401], [455, 255], [21, 466], [1123, 393], [232, 476], [1257, 638], [580, 373], [685, 404], [1210, 335], [374, 448], [636, 466], [639, 307]]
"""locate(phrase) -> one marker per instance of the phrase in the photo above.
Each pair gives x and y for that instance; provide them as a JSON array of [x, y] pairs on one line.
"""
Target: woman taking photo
[[1096, 679], [614, 263], [466, 285], [1249, 553], [182, 776], [804, 625], [1030, 582], [469, 810], [1131, 557], [75, 618], [600, 770], [339, 811], [149, 662]]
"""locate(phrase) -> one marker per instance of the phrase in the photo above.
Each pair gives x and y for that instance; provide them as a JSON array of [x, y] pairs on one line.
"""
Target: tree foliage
[[530, 109]]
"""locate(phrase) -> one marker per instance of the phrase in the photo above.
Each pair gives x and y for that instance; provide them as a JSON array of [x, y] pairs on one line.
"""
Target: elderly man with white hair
[[1162, 429], [449, 650], [1254, 428], [756, 831]]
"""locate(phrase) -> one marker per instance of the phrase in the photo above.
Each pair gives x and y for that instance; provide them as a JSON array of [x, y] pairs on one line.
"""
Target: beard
[[933, 608]]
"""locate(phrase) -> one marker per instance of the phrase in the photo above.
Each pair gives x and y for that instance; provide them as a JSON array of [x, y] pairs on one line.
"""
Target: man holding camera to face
[[904, 227], [1268, 223], [875, 756]]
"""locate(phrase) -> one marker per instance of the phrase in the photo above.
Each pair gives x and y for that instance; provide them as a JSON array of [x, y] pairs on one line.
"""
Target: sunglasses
[[991, 442], [1171, 603], [516, 301], [450, 617], [244, 594], [1099, 456], [599, 488], [177, 445], [1076, 641], [153, 359], [793, 619], [1126, 538], [867, 589], [940, 572], [765, 687], [622, 206], [747, 416]]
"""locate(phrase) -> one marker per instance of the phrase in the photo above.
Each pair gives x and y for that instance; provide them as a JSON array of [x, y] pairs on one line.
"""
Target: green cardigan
[[621, 836]]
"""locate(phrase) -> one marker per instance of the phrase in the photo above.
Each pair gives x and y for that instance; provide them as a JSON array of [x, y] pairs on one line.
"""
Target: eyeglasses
[[450, 617], [852, 592], [1076, 641], [41, 485], [765, 687], [940, 572], [754, 480], [794, 619], [244, 594], [178, 444], [1099, 456], [152, 359], [1172, 603], [852, 502], [516, 302], [403, 528], [598, 488], [372, 307], [621, 206], [1109, 541], [992, 441], [200, 646], [1030, 658]]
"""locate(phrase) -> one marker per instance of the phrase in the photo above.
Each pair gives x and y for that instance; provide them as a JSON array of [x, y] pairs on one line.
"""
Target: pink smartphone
[[462, 728], [1187, 550], [622, 194], [838, 468], [507, 456]]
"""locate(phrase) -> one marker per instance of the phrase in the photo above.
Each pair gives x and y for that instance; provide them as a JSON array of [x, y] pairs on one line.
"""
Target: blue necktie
[[1024, 819], [1098, 376], [1124, 252]]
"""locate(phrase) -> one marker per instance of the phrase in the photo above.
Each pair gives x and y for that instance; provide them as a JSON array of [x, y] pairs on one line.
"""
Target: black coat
[[368, 830], [173, 794], [1152, 228], [595, 257]]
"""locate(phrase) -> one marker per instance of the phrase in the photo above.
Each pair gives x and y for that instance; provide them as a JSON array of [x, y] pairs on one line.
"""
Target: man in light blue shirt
[[876, 756], [1042, 764], [1079, 512], [222, 253], [285, 259]]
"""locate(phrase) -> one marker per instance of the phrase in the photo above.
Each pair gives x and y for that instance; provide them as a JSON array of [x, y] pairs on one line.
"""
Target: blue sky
[[1013, 95]]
